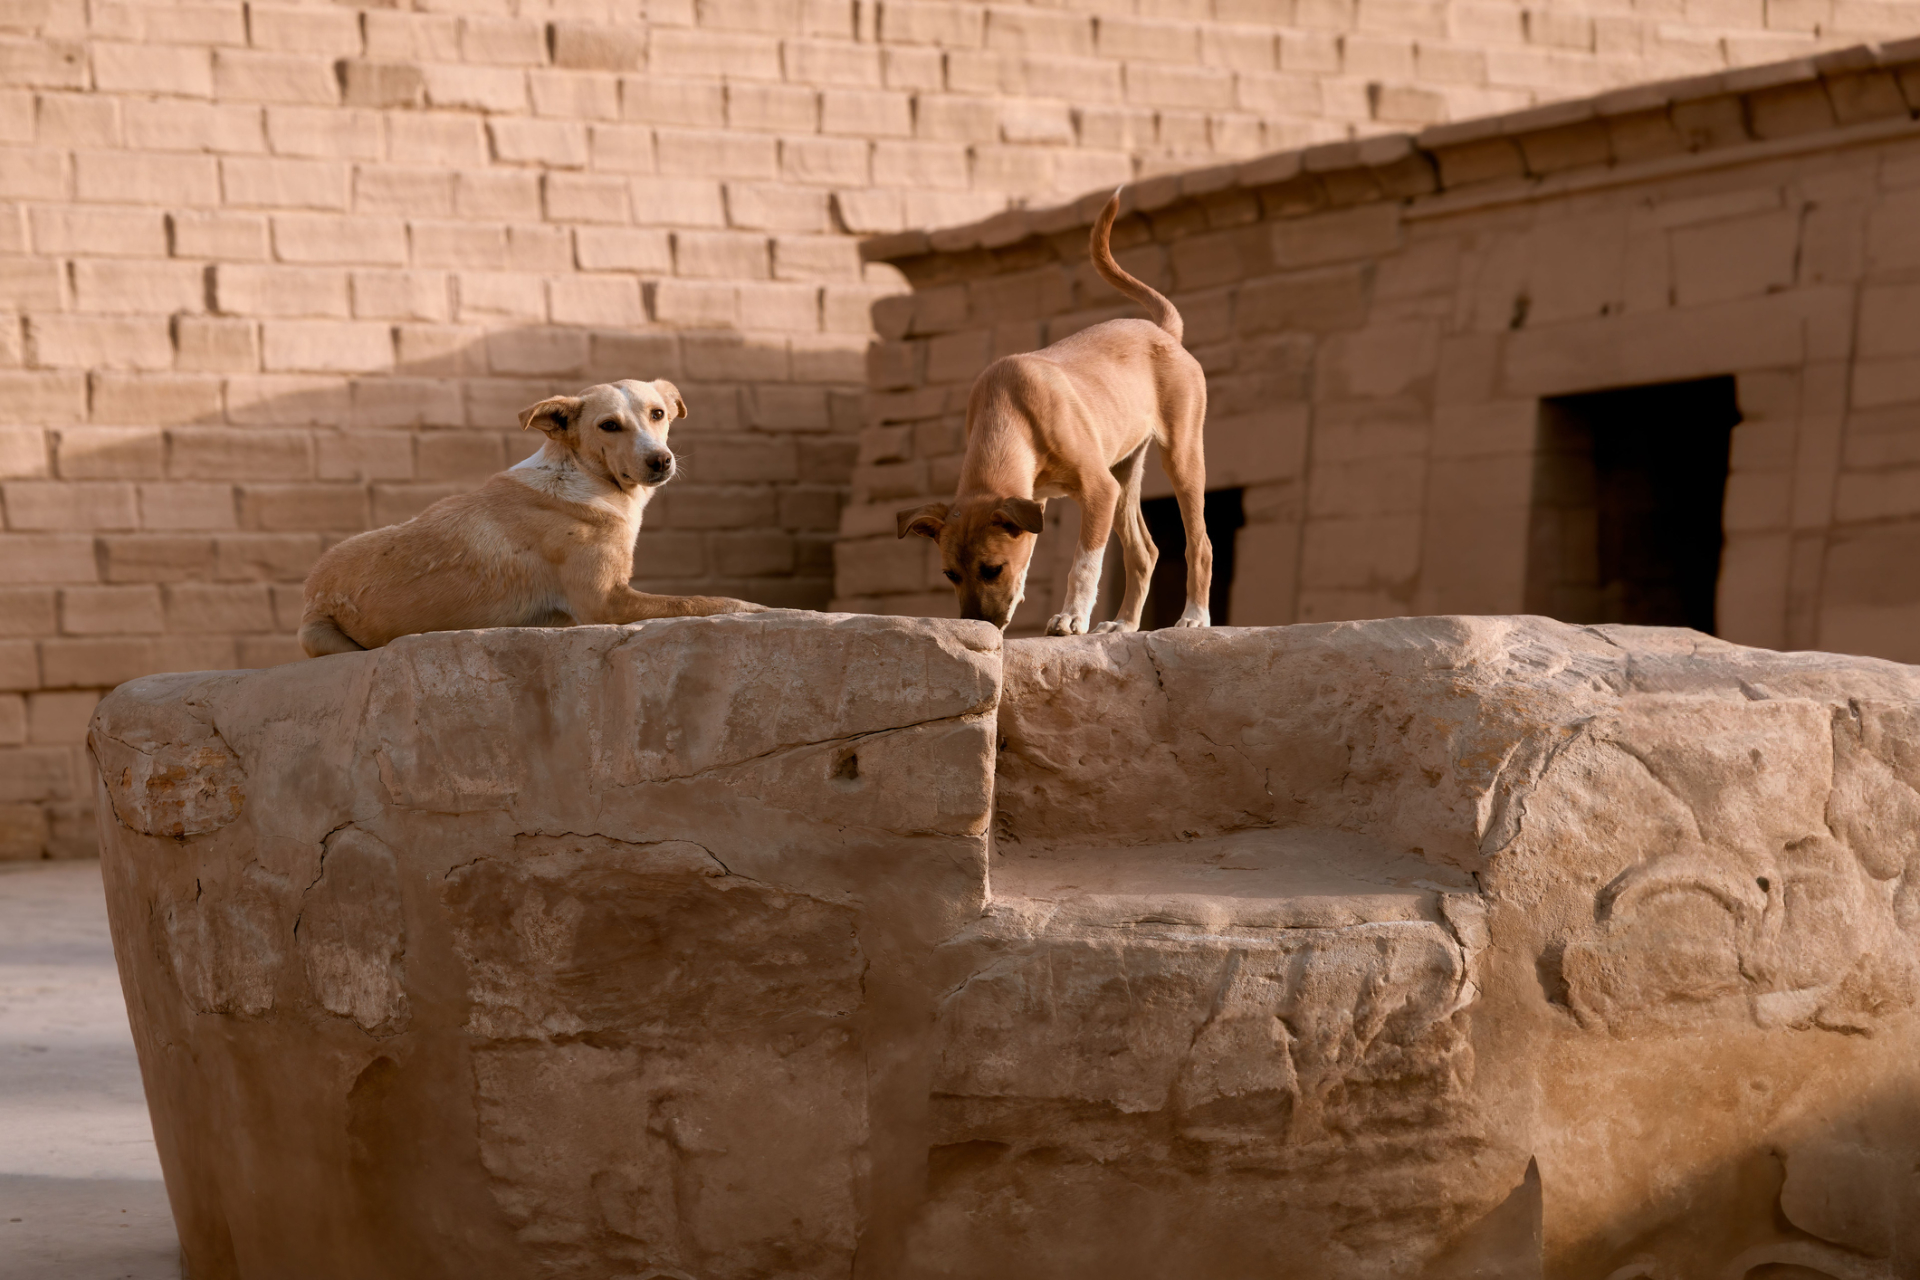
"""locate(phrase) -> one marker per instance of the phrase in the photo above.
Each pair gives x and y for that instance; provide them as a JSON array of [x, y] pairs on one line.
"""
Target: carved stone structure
[[850, 946]]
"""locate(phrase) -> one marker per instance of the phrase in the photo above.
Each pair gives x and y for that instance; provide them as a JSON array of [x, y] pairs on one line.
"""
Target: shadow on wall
[[183, 547]]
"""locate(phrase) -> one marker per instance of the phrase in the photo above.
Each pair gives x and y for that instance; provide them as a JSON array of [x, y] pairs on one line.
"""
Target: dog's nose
[[659, 465]]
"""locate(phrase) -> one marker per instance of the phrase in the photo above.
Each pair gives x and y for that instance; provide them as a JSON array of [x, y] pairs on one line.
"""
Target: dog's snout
[[659, 465]]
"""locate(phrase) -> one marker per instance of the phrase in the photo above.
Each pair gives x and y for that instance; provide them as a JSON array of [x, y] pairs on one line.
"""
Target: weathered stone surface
[[781, 946]]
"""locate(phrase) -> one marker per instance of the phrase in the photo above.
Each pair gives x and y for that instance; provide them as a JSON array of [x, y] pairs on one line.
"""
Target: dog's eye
[[952, 576], [989, 572], [611, 424], [658, 414]]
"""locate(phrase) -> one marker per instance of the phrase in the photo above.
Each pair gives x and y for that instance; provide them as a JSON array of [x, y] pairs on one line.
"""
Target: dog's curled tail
[[320, 635], [1159, 310]]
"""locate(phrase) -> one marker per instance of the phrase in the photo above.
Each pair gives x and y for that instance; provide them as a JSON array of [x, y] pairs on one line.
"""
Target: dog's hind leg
[[320, 635], [1099, 495], [1138, 554], [1185, 460]]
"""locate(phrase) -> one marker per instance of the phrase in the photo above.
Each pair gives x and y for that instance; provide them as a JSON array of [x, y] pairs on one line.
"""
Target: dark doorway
[[1167, 592], [1627, 493]]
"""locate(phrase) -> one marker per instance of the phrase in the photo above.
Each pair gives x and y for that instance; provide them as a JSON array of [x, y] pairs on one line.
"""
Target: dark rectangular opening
[[1167, 591], [1627, 494]]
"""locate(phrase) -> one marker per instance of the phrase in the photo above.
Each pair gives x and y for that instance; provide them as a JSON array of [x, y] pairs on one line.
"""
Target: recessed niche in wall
[[1167, 592], [1627, 493]]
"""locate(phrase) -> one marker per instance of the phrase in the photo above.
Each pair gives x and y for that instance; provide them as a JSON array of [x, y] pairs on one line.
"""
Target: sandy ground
[[80, 1190]]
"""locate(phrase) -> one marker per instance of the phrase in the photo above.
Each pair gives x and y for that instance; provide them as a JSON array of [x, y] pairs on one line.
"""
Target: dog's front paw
[[1112, 628], [1195, 616], [1066, 624]]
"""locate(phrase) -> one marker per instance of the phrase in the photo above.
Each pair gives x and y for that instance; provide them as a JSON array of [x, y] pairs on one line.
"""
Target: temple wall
[[1384, 324]]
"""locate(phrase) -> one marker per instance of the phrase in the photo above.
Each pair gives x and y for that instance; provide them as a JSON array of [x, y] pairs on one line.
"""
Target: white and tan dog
[[1074, 419], [547, 543]]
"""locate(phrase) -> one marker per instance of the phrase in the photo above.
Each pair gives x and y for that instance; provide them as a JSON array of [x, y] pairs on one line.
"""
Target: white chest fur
[[553, 471]]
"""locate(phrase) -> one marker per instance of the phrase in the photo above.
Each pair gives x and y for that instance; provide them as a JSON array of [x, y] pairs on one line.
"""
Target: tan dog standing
[[1073, 419], [547, 543]]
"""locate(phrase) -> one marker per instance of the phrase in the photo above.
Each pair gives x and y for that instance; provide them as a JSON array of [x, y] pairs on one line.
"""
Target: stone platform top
[[803, 945]]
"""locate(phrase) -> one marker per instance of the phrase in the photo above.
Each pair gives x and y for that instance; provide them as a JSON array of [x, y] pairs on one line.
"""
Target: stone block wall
[[273, 273], [1381, 320]]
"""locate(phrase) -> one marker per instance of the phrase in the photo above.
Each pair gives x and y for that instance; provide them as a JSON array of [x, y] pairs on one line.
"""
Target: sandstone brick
[[714, 53], [147, 179], [233, 237], [920, 164], [635, 355], [729, 357], [218, 608], [77, 120], [241, 75], [722, 459], [604, 301], [27, 611], [536, 352], [154, 558], [183, 507], [1121, 37], [279, 291], [52, 64], [281, 184], [620, 148], [595, 47], [458, 244], [826, 62], [586, 197], [272, 508], [325, 238], [400, 295], [476, 88], [507, 41], [786, 108], [108, 453], [1023, 30], [459, 455], [439, 350], [23, 452], [366, 456], [436, 138], [432, 36], [286, 400], [236, 454], [59, 506], [19, 664], [330, 346], [87, 341], [778, 307], [507, 295], [153, 398], [690, 153], [106, 611], [409, 402], [366, 83], [42, 398], [325, 132], [414, 192], [647, 250], [304, 29], [671, 100], [843, 161], [732, 255], [913, 69], [866, 113], [560, 143], [68, 230], [1746, 257]]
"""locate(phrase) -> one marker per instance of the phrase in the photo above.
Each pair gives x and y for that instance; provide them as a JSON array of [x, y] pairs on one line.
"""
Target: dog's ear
[[552, 415], [1020, 515], [676, 407], [926, 521]]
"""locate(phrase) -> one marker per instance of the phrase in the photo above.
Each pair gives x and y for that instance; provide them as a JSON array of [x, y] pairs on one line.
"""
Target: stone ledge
[[822, 946]]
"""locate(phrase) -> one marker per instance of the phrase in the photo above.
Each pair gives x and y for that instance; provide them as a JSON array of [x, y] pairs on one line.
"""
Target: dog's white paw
[[1066, 624], [1111, 628], [1195, 616]]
